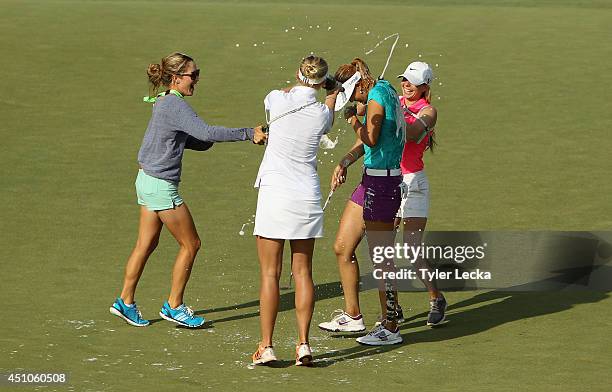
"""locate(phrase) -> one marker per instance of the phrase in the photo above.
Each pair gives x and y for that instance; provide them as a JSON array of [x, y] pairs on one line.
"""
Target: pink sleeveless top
[[412, 156]]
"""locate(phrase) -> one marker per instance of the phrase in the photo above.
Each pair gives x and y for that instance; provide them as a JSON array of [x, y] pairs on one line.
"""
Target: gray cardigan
[[173, 127]]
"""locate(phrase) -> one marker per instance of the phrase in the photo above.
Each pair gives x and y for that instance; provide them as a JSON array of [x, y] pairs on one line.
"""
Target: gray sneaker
[[437, 309]]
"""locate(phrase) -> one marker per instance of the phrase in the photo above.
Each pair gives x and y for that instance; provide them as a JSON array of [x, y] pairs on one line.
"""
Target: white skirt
[[415, 198], [283, 216]]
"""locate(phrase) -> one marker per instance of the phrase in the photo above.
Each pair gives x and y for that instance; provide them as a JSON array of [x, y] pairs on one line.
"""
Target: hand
[[332, 85], [259, 137], [338, 177], [361, 109], [350, 111]]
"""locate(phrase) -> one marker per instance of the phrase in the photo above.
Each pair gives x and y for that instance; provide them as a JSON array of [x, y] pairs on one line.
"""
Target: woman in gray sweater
[[173, 127]]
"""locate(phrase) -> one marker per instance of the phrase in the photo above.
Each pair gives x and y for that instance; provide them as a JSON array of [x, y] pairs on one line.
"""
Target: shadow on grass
[[477, 314], [287, 302], [497, 308]]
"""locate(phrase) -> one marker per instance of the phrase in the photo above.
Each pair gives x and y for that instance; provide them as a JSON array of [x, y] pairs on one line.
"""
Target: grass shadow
[[498, 307]]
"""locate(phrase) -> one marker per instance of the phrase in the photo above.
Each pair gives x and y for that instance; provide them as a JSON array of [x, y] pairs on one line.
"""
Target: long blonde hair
[[161, 74]]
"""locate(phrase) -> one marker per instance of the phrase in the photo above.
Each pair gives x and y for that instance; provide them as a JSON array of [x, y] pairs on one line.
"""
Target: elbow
[[370, 141]]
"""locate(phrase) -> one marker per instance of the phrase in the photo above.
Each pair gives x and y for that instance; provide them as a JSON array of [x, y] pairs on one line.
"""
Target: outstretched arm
[[330, 102], [189, 122]]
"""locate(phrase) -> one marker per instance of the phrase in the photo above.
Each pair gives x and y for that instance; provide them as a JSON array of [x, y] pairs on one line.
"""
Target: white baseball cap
[[418, 73]]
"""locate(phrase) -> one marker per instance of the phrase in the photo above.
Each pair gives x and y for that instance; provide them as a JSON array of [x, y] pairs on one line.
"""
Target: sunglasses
[[193, 75]]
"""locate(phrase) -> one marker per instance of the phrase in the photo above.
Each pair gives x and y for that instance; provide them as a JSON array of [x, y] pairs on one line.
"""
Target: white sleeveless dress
[[289, 199]]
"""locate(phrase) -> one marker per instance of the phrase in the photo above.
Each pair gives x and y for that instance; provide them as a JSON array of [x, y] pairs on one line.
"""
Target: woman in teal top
[[374, 203], [387, 152]]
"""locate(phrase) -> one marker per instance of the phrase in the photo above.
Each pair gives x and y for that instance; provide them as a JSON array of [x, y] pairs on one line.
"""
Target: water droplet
[[254, 44], [237, 45], [367, 33], [241, 232], [292, 27]]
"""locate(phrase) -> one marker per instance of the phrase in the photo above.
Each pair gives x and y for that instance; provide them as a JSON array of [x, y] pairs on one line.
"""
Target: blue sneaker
[[183, 315], [130, 314]]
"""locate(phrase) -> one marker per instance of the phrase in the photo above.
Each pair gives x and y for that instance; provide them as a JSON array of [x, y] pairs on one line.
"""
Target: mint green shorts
[[156, 194]]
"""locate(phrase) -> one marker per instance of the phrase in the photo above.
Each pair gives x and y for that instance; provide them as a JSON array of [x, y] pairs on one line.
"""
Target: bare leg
[[301, 255], [413, 235], [270, 253], [381, 234], [349, 236], [180, 223], [148, 237]]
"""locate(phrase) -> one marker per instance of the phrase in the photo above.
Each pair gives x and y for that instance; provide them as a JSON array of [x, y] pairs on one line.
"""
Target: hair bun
[[154, 70], [309, 70]]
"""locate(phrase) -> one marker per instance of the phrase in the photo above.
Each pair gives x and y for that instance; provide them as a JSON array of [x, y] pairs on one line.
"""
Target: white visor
[[344, 96]]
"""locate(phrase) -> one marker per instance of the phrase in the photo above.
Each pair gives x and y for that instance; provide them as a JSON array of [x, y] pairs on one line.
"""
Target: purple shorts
[[380, 197]]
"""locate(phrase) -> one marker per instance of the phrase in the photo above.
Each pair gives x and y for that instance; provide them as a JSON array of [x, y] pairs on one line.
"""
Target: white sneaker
[[380, 336], [303, 355], [343, 322], [263, 355]]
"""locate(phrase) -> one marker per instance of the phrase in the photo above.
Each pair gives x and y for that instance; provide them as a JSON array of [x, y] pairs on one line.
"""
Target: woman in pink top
[[413, 212]]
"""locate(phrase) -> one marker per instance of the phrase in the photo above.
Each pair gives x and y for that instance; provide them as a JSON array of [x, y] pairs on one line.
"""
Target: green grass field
[[523, 132]]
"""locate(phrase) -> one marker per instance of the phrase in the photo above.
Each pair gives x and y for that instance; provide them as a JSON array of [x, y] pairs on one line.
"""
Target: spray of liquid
[[396, 35], [326, 143], [249, 222]]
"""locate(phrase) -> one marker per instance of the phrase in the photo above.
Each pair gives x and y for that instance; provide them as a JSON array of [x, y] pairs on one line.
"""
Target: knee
[[147, 247], [196, 244], [270, 275], [302, 270], [192, 246], [343, 254], [340, 248]]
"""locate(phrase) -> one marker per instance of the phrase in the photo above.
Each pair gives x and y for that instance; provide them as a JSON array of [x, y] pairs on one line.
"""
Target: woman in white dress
[[289, 200]]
